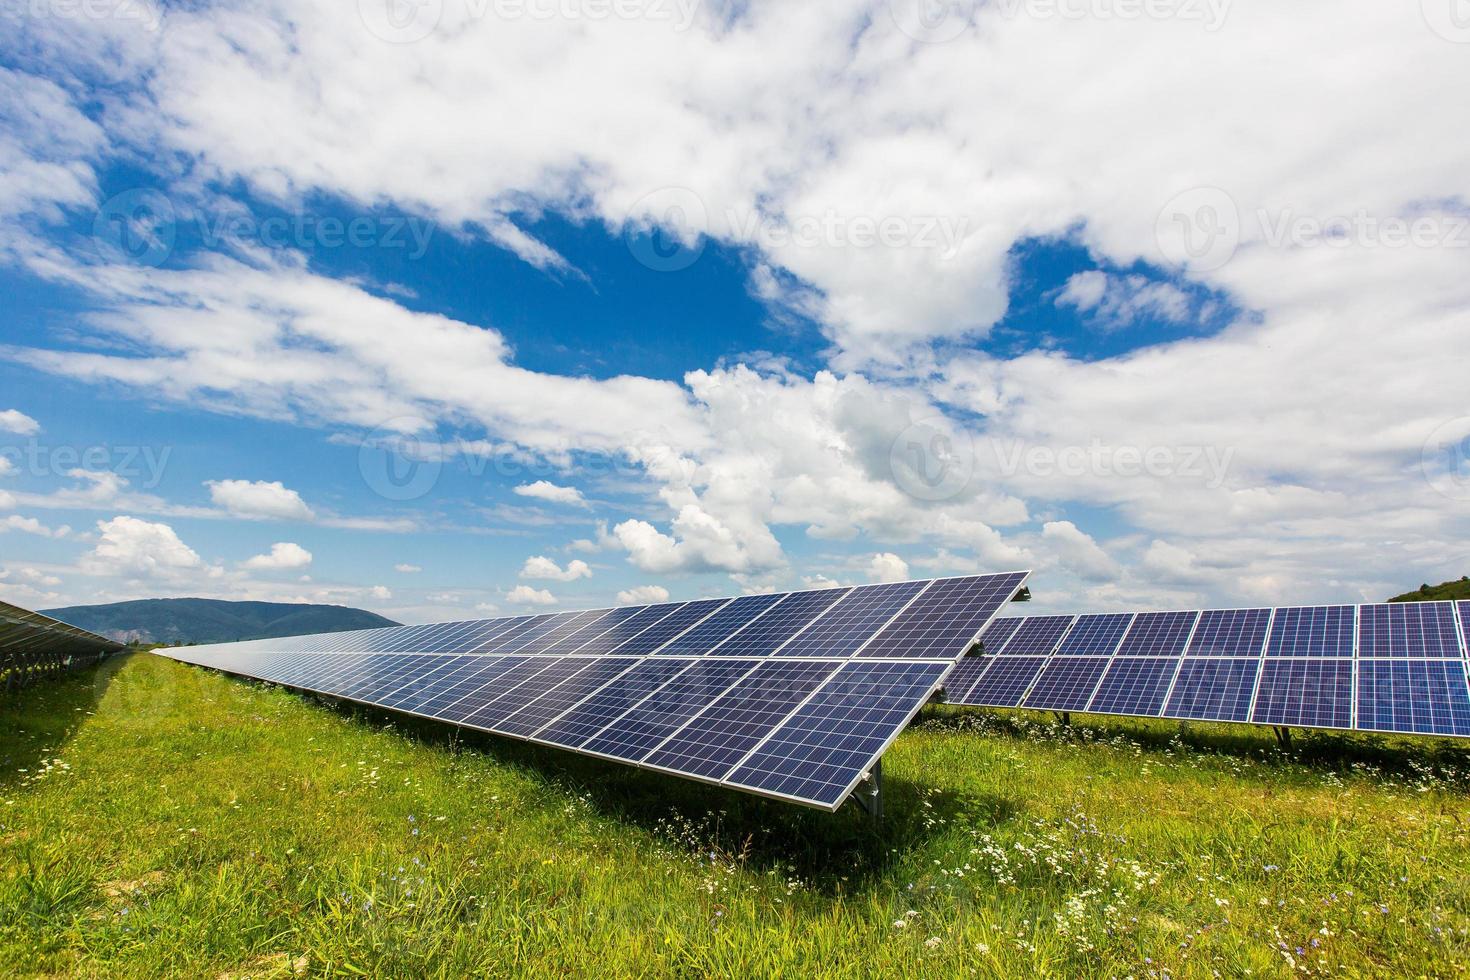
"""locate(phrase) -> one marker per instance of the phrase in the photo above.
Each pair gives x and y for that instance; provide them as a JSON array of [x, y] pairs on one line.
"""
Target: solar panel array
[[793, 696], [34, 646], [1387, 667]]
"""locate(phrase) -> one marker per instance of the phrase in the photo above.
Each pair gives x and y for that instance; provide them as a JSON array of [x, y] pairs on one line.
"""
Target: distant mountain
[[174, 621], [1432, 593]]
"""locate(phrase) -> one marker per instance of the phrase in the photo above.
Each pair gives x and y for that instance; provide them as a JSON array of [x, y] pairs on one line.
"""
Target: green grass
[[158, 820]]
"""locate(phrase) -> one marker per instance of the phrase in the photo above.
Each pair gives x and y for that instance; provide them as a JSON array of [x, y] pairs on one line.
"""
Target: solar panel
[[1463, 610], [1004, 682], [1038, 636], [562, 697], [946, 618], [1424, 696], [792, 615], [1312, 692], [850, 622], [1230, 633], [584, 721], [628, 628], [1408, 629], [1096, 635], [1312, 631], [822, 751], [641, 729], [669, 627], [959, 681], [997, 633], [1160, 634], [1135, 686], [699, 640], [1067, 683], [488, 691], [1213, 689]]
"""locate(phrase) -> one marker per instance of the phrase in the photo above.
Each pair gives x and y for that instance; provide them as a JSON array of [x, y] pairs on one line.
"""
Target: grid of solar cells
[[568, 694], [584, 721], [463, 682], [711, 744], [1230, 633], [1135, 686], [825, 748], [1162, 634], [1038, 636], [1308, 692], [1424, 696], [1004, 682], [787, 618], [413, 668], [849, 623], [993, 640], [378, 666], [497, 710], [500, 641], [545, 641], [1464, 611], [1214, 689], [627, 629], [664, 712], [958, 682], [1408, 629], [1095, 635], [498, 683], [669, 627], [740, 612], [529, 640], [410, 696], [946, 618], [1312, 631], [576, 639], [1067, 683]]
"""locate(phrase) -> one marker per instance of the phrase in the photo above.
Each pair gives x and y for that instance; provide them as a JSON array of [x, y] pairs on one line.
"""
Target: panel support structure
[[869, 794]]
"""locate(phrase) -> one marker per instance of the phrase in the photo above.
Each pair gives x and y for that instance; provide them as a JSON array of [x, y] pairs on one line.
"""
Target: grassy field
[[158, 820]]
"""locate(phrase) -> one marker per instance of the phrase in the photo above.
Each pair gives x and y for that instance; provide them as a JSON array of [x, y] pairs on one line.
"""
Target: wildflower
[[900, 923], [933, 942]]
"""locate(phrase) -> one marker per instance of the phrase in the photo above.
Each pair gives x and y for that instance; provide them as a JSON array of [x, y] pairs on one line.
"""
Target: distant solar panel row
[[1389, 667], [793, 696]]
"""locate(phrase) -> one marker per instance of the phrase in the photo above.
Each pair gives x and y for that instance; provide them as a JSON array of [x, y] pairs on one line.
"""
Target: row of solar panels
[[772, 721], [33, 645], [1388, 667], [906, 620]]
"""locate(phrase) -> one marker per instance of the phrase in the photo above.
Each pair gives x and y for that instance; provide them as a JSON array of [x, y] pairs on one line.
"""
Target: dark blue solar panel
[[1004, 683], [460, 683], [563, 697], [1038, 636], [557, 671], [959, 681], [512, 672], [781, 623], [1158, 634], [544, 642], [527, 641], [405, 672], [848, 624], [1213, 689], [664, 712], [484, 634], [376, 667], [993, 640], [1097, 635], [669, 627], [1312, 693], [711, 744], [601, 709], [573, 642], [945, 619], [822, 751], [1067, 683], [1464, 610], [1135, 686], [1426, 697], [1311, 631], [498, 641], [1230, 633], [699, 640], [1408, 629], [629, 628], [455, 668]]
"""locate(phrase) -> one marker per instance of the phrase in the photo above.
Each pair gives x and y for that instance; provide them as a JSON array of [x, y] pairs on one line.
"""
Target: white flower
[[900, 923], [932, 942]]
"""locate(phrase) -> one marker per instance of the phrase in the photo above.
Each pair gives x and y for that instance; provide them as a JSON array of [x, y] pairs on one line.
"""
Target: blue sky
[[750, 317]]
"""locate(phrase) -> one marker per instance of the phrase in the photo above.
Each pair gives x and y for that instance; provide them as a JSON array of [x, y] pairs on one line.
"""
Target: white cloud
[[642, 595], [29, 525], [130, 547], [407, 569], [524, 595], [380, 592], [541, 567], [887, 567], [259, 500], [30, 576], [6, 466], [545, 490], [1078, 553], [1118, 301], [283, 555], [18, 423]]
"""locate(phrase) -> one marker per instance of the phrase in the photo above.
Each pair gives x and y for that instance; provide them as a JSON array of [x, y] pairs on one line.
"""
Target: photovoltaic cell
[[1230, 633], [1464, 609], [1038, 636], [1213, 689], [702, 638], [551, 705], [628, 628], [1004, 682], [574, 641], [1312, 631], [1135, 686], [491, 689], [1408, 629], [528, 640], [557, 670], [669, 627], [1424, 696], [545, 641], [1162, 634], [1067, 683], [781, 623], [849, 623], [664, 712], [411, 696], [993, 640], [959, 681], [1096, 635], [711, 744], [1310, 692], [584, 721], [499, 641], [823, 750], [946, 618], [463, 682]]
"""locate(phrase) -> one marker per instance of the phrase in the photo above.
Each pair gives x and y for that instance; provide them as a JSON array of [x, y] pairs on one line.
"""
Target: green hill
[[1440, 592], [176, 621]]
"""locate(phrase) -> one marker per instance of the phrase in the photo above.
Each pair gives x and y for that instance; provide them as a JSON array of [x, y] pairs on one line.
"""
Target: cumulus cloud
[[407, 569], [642, 595], [283, 555], [259, 500], [134, 548], [29, 525], [887, 567], [1077, 552], [524, 595], [546, 490], [1119, 301], [541, 567], [18, 423]]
